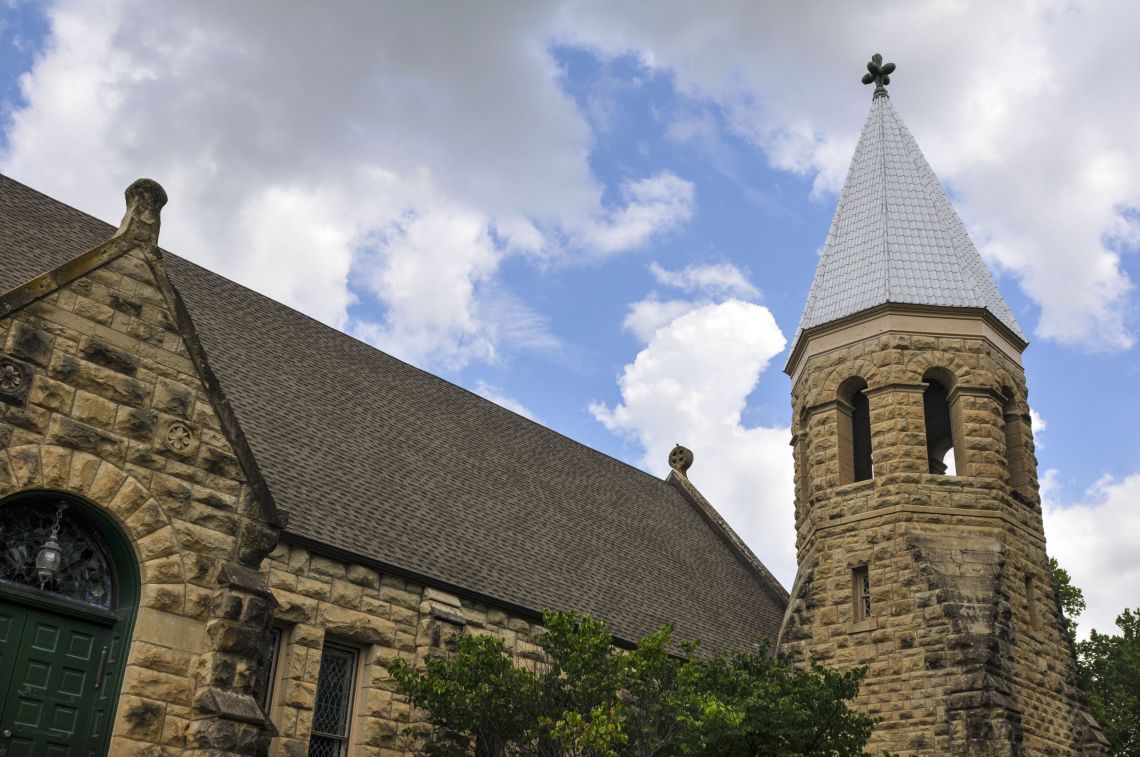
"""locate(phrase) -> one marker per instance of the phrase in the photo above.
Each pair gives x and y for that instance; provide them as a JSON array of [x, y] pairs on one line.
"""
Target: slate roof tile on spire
[[896, 237]]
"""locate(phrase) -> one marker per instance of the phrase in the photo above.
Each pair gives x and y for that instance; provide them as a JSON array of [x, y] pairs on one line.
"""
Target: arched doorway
[[65, 624]]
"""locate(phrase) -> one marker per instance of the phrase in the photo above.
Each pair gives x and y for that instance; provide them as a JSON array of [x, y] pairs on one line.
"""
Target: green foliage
[[1110, 671], [479, 701], [590, 699], [764, 705], [1072, 599]]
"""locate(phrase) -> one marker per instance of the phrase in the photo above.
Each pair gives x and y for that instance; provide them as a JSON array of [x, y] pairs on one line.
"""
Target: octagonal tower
[[918, 517]]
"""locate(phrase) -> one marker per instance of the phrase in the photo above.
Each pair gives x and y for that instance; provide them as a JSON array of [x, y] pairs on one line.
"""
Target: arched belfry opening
[[854, 410], [69, 588], [942, 433]]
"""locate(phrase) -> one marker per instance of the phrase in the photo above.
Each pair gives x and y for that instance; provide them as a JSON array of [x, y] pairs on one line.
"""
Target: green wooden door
[[52, 669]]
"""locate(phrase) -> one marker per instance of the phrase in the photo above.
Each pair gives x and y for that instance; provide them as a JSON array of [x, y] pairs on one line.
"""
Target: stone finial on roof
[[879, 73], [681, 459], [145, 198]]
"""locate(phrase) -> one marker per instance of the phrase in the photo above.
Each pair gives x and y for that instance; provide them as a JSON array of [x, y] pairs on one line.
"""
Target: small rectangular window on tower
[[1031, 601], [861, 592]]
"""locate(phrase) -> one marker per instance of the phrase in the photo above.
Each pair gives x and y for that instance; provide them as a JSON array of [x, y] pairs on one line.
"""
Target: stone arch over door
[[169, 632], [116, 493], [64, 634]]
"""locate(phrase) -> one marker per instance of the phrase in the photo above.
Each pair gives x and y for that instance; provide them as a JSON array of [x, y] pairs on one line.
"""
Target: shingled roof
[[375, 459], [895, 237]]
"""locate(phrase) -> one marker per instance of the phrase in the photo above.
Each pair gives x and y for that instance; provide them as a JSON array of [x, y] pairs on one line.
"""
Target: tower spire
[[895, 237]]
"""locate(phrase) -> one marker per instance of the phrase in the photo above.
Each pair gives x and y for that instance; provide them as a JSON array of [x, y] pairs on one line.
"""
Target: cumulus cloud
[[1047, 186], [706, 283], [653, 205], [716, 279], [689, 385], [1038, 424], [1094, 539], [300, 146], [646, 316], [343, 123]]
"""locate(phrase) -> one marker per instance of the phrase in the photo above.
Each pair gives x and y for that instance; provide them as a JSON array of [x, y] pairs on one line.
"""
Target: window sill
[[870, 624]]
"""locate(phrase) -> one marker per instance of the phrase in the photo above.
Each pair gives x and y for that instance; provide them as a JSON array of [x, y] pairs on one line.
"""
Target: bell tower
[[919, 540]]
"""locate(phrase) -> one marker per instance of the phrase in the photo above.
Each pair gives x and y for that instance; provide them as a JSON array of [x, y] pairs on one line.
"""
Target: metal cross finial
[[879, 73]]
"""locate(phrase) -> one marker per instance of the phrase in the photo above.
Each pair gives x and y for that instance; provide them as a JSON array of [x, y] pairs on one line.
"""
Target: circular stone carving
[[680, 459], [179, 437], [10, 377]]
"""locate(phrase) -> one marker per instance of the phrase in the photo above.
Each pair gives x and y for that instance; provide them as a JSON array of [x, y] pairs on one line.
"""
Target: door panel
[[50, 695], [11, 627]]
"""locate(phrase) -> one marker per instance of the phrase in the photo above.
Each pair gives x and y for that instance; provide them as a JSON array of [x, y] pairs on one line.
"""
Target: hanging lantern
[[50, 557]]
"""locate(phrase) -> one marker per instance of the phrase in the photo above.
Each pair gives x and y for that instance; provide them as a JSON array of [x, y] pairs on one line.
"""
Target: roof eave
[[1015, 340]]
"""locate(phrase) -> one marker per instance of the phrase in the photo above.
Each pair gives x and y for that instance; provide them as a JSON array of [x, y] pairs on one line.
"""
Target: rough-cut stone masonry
[[381, 615], [115, 413], [962, 660]]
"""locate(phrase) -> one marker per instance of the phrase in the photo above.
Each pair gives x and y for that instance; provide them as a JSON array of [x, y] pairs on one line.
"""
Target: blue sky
[[608, 218]]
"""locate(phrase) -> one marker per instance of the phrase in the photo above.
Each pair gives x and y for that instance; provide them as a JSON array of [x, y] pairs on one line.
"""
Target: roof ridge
[[877, 106], [715, 520]]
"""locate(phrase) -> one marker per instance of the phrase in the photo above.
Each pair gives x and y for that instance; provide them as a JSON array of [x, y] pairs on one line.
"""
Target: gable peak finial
[[145, 199], [681, 459], [879, 73]]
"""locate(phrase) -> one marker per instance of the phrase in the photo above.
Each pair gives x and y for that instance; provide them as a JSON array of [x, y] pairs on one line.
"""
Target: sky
[[606, 216]]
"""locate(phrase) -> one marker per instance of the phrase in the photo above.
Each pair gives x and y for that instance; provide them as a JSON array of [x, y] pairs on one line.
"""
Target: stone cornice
[[904, 318]]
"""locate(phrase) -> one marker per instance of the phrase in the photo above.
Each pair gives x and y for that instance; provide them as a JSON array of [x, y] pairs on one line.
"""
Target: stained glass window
[[84, 574], [333, 706]]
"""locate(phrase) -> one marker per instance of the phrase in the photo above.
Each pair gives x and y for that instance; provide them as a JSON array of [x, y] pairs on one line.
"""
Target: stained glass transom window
[[84, 574], [333, 706]]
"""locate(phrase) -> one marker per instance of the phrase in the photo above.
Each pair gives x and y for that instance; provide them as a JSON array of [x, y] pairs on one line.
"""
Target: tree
[[591, 699], [765, 705], [1110, 672], [1072, 599], [1109, 667]]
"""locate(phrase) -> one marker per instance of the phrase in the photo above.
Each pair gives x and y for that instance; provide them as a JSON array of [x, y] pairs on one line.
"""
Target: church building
[[219, 518]]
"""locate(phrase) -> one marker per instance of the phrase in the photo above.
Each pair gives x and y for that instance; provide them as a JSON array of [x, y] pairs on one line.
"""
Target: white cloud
[[716, 279], [427, 269], [290, 139], [712, 282], [646, 316], [654, 205], [1038, 425], [689, 385], [1095, 540], [1045, 183]]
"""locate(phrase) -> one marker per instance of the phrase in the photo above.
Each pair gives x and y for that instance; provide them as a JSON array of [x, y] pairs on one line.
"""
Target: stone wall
[[382, 616], [110, 408], [964, 646]]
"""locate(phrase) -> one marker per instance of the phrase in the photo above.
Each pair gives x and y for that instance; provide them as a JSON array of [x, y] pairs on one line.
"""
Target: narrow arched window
[[854, 430], [940, 441]]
